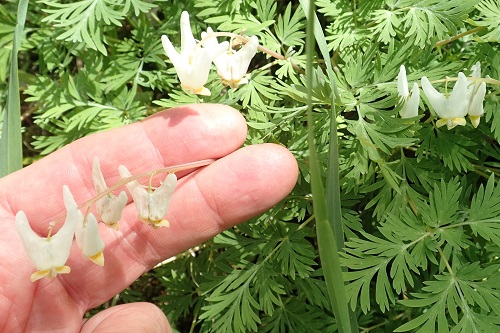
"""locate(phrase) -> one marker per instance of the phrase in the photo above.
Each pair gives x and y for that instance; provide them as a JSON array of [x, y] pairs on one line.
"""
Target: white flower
[[476, 105], [109, 207], [410, 106], [231, 66], [151, 206], [193, 63], [48, 254], [451, 108], [475, 94], [86, 232]]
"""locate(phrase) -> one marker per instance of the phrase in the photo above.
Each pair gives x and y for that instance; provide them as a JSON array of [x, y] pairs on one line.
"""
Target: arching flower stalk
[[49, 254]]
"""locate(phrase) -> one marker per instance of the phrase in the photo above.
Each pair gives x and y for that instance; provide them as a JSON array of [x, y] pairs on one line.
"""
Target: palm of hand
[[241, 184]]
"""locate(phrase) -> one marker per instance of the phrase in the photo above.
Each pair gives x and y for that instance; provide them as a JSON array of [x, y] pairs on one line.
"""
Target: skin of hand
[[241, 184]]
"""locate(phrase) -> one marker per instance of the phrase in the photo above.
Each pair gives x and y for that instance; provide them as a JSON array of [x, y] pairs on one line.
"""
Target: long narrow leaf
[[332, 181], [11, 150], [327, 243]]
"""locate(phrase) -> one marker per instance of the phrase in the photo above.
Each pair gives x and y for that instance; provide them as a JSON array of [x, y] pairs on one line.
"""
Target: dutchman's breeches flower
[[89, 241], [231, 65], [151, 205], [109, 207], [410, 102], [193, 62], [475, 94], [476, 105], [86, 232], [451, 108], [48, 254]]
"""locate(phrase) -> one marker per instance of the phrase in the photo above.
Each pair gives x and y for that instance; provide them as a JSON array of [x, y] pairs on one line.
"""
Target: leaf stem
[[460, 35]]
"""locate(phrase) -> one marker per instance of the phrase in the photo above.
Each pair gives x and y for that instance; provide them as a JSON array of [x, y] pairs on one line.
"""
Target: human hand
[[239, 185]]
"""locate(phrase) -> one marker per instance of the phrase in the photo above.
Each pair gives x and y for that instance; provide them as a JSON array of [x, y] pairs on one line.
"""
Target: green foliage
[[464, 298], [420, 204], [85, 20], [488, 17]]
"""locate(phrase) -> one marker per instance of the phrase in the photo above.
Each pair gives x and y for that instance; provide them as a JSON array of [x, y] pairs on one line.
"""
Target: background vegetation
[[420, 204]]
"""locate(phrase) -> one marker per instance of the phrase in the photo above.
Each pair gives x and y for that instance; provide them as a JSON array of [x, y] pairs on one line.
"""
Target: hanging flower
[[410, 102], [193, 62], [109, 207], [451, 108], [475, 94], [152, 206], [86, 232], [231, 65], [48, 254]]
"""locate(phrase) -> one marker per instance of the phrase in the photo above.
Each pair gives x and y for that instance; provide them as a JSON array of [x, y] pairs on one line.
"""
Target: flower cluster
[[49, 254], [195, 58], [465, 99]]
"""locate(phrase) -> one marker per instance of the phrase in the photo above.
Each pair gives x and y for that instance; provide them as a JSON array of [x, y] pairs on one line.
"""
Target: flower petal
[[90, 240], [159, 200], [97, 177], [458, 102], [109, 207], [410, 107], [33, 244], [476, 106], [436, 99], [137, 191], [188, 43], [476, 70], [231, 67], [402, 83], [177, 60]]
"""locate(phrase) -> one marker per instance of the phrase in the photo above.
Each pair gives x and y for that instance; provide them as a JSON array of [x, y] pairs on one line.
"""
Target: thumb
[[133, 317]]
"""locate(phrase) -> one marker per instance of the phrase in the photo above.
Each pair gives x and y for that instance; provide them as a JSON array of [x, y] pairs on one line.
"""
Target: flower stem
[[123, 181], [172, 169]]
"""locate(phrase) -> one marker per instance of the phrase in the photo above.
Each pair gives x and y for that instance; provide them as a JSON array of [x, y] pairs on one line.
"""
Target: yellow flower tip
[[155, 224], [50, 273], [451, 122], [97, 259], [159, 224], [475, 120], [63, 270], [457, 121], [38, 275], [234, 83], [441, 122], [197, 91], [114, 226]]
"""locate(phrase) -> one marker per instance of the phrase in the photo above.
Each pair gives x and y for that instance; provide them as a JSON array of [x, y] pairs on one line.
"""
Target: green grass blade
[[321, 42], [11, 149], [328, 217], [332, 181], [332, 184]]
